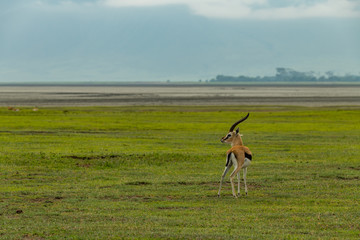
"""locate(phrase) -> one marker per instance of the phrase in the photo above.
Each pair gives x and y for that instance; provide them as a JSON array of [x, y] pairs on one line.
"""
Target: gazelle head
[[233, 135]]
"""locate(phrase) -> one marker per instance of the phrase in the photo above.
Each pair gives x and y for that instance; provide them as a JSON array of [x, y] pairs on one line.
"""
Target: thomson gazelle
[[238, 155]]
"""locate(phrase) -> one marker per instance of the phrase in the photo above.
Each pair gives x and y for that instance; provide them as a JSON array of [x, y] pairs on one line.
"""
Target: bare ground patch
[[198, 95]]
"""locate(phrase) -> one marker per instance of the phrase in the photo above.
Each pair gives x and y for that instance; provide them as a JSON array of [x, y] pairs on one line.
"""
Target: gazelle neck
[[237, 141]]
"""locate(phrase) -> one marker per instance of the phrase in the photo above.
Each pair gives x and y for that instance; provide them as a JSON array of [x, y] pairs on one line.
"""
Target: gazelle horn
[[241, 120]]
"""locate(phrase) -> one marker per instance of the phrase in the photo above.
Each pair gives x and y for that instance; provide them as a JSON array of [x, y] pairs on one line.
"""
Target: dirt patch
[[179, 208], [347, 178], [137, 183], [19, 211], [46, 199], [355, 168], [136, 198], [32, 237], [83, 165], [215, 184], [91, 157]]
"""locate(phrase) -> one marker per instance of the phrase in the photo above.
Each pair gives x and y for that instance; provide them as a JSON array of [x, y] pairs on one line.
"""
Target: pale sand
[[307, 95]]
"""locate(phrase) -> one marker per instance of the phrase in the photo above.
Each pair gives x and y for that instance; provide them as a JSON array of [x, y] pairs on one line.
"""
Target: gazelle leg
[[238, 176], [223, 176], [236, 170], [245, 171]]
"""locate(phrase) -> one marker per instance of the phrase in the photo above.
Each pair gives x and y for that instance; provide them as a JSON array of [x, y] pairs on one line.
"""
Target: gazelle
[[238, 155]]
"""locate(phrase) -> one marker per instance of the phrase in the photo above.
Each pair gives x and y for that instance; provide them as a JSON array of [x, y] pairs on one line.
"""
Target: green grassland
[[153, 172]]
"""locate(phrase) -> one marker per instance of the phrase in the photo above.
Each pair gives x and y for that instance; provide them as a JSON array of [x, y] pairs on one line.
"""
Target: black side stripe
[[248, 156], [228, 160]]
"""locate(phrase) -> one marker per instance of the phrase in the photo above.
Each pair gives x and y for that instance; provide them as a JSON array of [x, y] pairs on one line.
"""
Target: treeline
[[289, 75]]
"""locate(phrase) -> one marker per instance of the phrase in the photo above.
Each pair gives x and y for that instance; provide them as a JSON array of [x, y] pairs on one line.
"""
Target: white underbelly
[[247, 163]]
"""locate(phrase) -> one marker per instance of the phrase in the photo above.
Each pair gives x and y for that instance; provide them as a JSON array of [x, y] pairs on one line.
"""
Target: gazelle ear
[[237, 130]]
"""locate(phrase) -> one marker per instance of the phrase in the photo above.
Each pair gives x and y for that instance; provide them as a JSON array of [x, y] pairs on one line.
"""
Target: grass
[[153, 172]]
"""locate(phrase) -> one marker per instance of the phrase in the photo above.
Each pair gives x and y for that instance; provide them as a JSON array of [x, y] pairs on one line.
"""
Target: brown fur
[[239, 152]]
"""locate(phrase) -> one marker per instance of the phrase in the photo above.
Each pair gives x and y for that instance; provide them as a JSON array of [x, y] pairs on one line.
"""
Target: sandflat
[[180, 94]]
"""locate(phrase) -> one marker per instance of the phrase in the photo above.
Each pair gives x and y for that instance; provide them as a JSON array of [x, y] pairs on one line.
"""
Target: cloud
[[255, 9]]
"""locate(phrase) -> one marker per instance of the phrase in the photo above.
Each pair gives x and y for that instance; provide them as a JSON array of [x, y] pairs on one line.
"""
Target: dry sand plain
[[181, 94]]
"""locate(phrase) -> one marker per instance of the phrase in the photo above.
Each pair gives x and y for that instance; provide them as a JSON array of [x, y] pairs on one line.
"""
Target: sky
[[176, 40]]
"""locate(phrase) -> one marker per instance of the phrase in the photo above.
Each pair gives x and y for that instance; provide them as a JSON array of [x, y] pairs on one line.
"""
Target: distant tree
[[329, 74], [289, 75]]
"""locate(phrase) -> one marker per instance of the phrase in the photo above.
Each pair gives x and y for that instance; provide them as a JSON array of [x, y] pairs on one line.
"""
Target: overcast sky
[[179, 40]]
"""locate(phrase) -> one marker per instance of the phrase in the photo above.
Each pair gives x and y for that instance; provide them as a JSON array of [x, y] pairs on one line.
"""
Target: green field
[[153, 172]]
